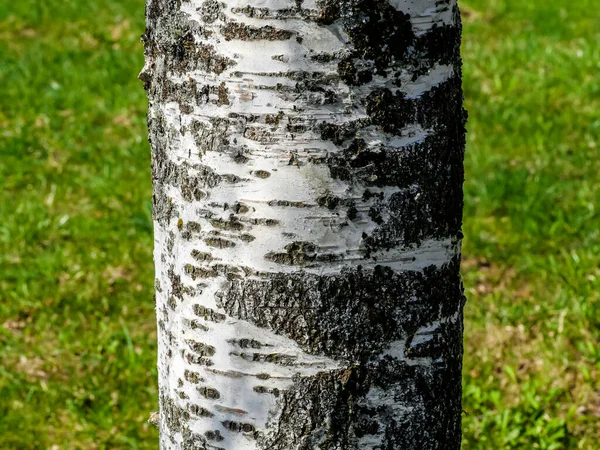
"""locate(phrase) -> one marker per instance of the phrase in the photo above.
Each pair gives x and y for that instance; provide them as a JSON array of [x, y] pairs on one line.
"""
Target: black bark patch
[[429, 173], [193, 227], [296, 254], [208, 392], [391, 112], [192, 377], [288, 204], [201, 348], [258, 134], [201, 256], [228, 225], [338, 134], [247, 343], [207, 313], [214, 435], [328, 201], [335, 411], [218, 242], [354, 315], [212, 10], [261, 174], [378, 33], [323, 57], [222, 93], [351, 75], [329, 11], [440, 45], [199, 272], [176, 285], [238, 31], [238, 427], [198, 410]]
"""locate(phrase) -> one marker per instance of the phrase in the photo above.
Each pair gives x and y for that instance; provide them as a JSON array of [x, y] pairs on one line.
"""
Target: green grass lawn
[[77, 332]]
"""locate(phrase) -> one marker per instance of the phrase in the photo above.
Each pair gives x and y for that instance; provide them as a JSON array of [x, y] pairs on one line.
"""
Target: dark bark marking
[[378, 34], [219, 242], [208, 314], [238, 31], [227, 225], [316, 311], [199, 272], [214, 435], [296, 254], [238, 427], [192, 377], [247, 343], [201, 256], [201, 348], [336, 403], [208, 392]]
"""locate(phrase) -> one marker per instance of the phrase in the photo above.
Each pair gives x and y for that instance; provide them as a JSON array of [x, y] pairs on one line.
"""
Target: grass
[[531, 269], [77, 333]]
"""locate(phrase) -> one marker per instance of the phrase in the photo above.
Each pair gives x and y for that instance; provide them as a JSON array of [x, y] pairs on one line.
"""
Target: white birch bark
[[307, 168]]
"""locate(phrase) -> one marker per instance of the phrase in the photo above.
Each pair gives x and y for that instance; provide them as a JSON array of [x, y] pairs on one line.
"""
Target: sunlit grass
[[77, 333], [531, 249]]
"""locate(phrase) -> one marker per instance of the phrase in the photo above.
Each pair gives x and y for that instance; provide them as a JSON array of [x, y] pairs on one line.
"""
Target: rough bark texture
[[307, 164]]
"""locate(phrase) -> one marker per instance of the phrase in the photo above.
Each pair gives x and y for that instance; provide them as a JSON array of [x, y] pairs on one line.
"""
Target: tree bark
[[307, 161]]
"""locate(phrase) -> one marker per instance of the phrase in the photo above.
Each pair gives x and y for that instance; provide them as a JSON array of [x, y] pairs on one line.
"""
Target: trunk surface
[[307, 166]]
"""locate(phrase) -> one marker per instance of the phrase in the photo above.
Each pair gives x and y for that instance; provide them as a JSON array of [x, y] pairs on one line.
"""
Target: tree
[[307, 162]]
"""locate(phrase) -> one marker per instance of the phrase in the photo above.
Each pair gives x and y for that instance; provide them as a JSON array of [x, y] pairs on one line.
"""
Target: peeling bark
[[307, 162]]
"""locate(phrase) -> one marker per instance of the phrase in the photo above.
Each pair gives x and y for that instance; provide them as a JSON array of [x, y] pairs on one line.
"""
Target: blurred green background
[[77, 331]]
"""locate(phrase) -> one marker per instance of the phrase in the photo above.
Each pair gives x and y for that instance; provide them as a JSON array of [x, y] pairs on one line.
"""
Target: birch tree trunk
[[307, 161]]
